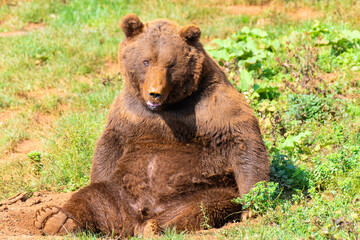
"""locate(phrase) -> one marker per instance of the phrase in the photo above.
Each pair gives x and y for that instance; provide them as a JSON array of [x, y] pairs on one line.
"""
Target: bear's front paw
[[148, 229], [151, 228], [53, 220]]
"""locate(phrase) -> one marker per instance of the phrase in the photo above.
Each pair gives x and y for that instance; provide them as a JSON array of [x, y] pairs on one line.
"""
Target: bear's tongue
[[153, 105]]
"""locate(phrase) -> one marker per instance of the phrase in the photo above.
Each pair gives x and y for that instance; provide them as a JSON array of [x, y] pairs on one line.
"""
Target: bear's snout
[[155, 89]]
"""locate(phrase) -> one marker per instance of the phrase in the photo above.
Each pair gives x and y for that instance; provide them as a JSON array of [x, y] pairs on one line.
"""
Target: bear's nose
[[155, 95]]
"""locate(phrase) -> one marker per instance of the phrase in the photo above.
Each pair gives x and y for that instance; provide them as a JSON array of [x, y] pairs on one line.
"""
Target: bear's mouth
[[153, 106]]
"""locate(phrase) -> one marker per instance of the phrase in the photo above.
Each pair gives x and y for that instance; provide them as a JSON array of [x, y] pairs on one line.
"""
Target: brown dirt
[[7, 115], [110, 72], [44, 120], [250, 10], [16, 219], [111, 68], [39, 94], [86, 79], [294, 13], [26, 146], [30, 27], [22, 149], [330, 77], [304, 14]]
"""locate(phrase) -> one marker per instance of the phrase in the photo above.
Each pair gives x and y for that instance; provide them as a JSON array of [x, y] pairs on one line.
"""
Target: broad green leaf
[[252, 60], [241, 63], [239, 53], [251, 45], [222, 54], [245, 30], [258, 32], [226, 43], [292, 141], [219, 42], [246, 80], [275, 45]]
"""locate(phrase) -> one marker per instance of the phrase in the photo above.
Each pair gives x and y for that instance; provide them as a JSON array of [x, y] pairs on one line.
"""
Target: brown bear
[[179, 143]]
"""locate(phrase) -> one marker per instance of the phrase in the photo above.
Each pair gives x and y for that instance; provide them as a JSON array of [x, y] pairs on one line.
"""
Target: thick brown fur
[[179, 136]]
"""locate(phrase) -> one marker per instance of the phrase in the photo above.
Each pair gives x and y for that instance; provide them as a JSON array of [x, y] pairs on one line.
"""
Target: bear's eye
[[171, 65], [146, 62]]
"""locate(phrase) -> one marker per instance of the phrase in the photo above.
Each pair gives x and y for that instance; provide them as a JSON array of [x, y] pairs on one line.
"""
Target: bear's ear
[[191, 33], [131, 25]]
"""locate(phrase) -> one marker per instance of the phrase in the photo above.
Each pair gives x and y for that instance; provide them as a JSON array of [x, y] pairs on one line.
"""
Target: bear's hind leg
[[99, 207]]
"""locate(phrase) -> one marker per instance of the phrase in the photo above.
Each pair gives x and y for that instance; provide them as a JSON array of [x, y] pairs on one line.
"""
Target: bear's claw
[[151, 228], [53, 220]]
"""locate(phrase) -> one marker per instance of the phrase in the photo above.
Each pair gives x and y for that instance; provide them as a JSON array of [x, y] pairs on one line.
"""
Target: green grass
[[306, 92]]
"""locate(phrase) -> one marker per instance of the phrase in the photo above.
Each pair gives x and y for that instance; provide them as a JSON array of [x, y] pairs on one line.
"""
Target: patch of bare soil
[[30, 27], [26, 146], [22, 149], [294, 13], [330, 77], [17, 214], [111, 68], [7, 115], [86, 79], [39, 94], [43, 120], [304, 14], [250, 10], [110, 72]]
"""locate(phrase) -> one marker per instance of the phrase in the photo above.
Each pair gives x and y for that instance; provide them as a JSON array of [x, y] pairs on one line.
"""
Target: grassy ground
[[300, 73]]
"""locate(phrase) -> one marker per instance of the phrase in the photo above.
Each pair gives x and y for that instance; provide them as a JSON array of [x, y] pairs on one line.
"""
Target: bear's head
[[160, 60]]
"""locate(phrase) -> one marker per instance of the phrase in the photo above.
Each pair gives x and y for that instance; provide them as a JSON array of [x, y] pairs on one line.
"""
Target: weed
[[35, 159], [290, 177], [205, 223], [326, 170], [335, 229], [305, 107], [303, 66], [261, 198]]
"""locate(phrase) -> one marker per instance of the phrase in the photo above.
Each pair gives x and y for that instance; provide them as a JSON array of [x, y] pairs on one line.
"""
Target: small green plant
[[295, 141], [205, 224], [302, 70], [261, 198], [291, 178], [35, 159], [318, 30]]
